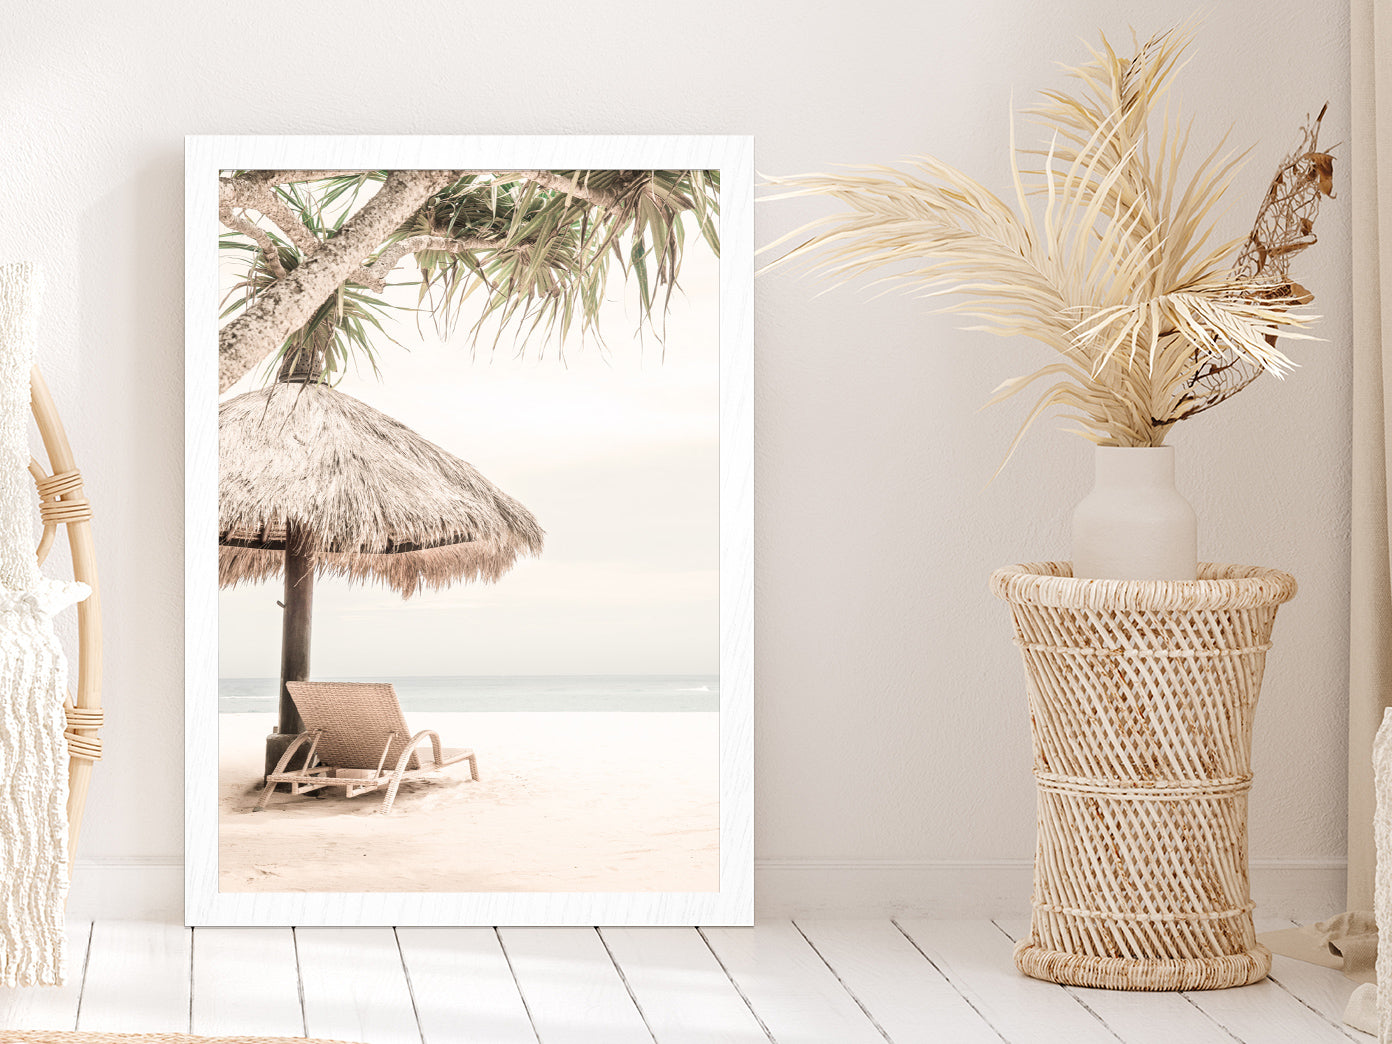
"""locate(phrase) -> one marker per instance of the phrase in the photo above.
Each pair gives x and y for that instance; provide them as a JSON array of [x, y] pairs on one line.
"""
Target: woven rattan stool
[[1141, 696]]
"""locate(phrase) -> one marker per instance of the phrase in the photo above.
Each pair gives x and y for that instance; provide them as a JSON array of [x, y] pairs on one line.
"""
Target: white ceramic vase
[[1134, 525]]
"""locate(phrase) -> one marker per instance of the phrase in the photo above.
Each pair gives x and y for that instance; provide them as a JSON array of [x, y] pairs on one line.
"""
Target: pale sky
[[618, 460]]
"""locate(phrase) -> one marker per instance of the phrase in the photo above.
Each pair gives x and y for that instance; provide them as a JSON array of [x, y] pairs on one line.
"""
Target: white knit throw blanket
[[33, 681], [1382, 880]]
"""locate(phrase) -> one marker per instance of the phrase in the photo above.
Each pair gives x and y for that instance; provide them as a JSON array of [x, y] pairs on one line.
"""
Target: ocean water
[[516, 692]]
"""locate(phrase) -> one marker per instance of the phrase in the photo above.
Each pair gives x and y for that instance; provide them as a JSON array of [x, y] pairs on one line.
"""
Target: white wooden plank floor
[[814, 981]]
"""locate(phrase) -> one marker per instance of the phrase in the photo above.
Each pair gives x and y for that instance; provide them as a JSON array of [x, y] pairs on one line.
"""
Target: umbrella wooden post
[[297, 619], [296, 622]]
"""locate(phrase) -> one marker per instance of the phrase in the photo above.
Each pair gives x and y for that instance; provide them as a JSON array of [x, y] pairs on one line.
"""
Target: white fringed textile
[[33, 681], [1382, 884]]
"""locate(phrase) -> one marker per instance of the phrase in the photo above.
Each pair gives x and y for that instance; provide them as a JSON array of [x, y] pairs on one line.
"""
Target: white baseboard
[[888, 888], [1298, 889], [1302, 889], [127, 890]]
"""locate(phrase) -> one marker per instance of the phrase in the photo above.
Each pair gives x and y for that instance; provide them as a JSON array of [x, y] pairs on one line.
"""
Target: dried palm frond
[[1285, 225], [1119, 273]]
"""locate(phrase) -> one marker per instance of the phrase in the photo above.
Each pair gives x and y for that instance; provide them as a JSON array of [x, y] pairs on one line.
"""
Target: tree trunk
[[296, 622], [288, 303], [304, 364], [294, 643]]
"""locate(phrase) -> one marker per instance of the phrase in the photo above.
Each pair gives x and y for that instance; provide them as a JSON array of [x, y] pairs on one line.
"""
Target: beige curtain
[[1370, 659]]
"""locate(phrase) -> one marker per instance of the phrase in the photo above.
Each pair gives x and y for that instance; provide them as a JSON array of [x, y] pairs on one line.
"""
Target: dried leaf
[[1117, 271]]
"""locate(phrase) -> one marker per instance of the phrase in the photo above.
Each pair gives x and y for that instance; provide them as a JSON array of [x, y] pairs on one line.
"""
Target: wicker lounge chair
[[358, 740]]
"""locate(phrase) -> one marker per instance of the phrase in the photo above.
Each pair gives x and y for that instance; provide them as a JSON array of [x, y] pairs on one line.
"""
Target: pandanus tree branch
[[288, 303], [560, 183], [374, 276], [258, 195], [539, 241], [292, 177], [243, 224]]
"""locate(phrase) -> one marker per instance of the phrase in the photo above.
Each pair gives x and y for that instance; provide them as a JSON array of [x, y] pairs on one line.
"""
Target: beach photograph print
[[468, 560]]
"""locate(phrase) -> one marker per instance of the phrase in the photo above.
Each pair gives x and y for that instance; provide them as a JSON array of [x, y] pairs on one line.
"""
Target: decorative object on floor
[[1153, 321], [74, 1037], [1141, 698], [1382, 887], [1361, 1012], [378, 324], [1347, 943], [357, 739], [34, 756]]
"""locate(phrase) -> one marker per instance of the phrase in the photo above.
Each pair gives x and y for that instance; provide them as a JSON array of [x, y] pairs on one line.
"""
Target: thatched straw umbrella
[[311, 480]]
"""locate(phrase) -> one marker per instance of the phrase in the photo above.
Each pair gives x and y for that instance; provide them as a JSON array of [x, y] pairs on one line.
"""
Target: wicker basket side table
[[1141, 696]]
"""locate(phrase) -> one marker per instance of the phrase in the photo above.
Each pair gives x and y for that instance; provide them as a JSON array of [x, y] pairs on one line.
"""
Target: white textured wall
[[892, 740]]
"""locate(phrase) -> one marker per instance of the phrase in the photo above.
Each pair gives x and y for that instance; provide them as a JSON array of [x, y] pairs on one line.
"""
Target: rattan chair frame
[[63, 502]]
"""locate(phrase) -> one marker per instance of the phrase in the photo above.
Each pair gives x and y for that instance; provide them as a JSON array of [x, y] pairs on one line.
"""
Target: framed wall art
[[469, 530]]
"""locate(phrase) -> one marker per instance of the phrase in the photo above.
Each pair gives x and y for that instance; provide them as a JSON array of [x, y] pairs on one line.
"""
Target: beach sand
[[588, 801]]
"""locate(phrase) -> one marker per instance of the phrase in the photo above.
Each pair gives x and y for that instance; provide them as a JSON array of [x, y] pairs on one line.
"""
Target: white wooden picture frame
[[206, 901]]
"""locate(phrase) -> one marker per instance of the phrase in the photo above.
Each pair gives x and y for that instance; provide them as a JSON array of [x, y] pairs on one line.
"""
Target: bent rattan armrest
[[442, 758], [301, 781]]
